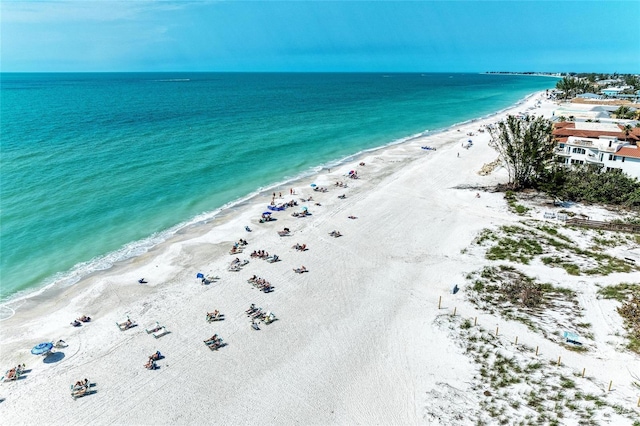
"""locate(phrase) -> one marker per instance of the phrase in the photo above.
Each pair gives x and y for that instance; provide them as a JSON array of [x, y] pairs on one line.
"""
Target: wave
[[140, 247], [172, 80]]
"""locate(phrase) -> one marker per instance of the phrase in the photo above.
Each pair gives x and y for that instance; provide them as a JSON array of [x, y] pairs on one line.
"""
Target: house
[[605, 153], [589, 96], [612, 92], [563, 130]]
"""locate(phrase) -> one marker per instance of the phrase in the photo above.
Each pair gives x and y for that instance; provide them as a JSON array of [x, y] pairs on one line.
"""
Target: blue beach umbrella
[[313, 185], [200, 275], [42, 348], [266, 212], [305, 208]]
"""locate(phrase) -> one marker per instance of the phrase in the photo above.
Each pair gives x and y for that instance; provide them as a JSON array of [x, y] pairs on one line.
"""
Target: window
[[579, 150], [577, 162]]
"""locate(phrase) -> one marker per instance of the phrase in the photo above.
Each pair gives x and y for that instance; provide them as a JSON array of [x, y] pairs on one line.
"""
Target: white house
[[606, 153]]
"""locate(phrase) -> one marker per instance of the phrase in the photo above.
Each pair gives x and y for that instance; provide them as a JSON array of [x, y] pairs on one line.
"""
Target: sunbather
[[127, 324], [352, 217], [11, 374], [150, 365], [155, 356], [84, 318], [76, 323]]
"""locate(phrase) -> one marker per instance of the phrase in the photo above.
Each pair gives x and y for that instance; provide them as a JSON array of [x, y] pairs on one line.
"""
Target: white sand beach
[[358, 339]]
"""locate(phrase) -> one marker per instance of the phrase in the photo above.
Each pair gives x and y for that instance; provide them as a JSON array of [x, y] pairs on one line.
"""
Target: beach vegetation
[[587, 185], [572, 86], [526, 146], [619, 292]]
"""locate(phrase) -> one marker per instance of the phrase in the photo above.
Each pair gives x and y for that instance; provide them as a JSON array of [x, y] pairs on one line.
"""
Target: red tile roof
[[627, 151], [565, 129]]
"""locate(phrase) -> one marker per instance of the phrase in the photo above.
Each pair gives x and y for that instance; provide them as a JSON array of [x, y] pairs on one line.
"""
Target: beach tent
[[200, 275]]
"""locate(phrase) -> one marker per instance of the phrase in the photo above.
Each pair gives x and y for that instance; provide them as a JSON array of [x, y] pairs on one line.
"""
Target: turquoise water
[[99, 167]]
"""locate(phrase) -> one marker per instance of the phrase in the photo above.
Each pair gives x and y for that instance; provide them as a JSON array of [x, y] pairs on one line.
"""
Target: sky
[[320, 36]]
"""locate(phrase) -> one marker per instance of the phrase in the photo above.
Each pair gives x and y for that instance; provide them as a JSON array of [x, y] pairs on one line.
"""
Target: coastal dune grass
[[516, 388], [531, 241]]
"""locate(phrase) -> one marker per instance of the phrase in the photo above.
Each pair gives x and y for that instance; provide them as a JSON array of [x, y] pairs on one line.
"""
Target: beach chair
[[11, 375], [153, 328], [161, 332], [269, 318], [214, 345], [126, 324], [283, 233], [80, 391], [212, 318]]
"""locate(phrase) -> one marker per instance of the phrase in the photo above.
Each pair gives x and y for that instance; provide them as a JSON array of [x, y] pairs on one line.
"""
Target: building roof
[[565, 129], [601, 127], [629, 151]]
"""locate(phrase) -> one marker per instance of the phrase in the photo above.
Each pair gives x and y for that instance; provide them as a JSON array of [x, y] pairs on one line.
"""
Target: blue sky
[[418, 36]]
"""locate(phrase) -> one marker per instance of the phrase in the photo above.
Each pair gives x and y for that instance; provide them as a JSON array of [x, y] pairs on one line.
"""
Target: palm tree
[[623, 111], [627, 130]]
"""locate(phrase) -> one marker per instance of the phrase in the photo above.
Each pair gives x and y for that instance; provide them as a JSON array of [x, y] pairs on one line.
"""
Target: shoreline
[[75, 275], [359, 338]]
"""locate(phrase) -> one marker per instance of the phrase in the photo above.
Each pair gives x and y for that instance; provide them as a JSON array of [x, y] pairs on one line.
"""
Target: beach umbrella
[[200, 275], [305, 208], [313, 185], [42, 348], [266, 212]]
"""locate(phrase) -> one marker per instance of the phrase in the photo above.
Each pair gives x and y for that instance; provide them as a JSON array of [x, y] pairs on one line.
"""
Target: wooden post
[[583, 370], [475, 321], [516, 340], [536, 351], [639, 401], [454, 311], [610, 384], [439, 302], [496, 331], [559, 358]]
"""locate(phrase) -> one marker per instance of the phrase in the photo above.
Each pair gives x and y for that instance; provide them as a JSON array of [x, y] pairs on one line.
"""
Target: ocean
[[97, 168]]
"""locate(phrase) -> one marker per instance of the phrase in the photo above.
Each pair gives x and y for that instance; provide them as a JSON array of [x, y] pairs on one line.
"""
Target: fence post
[[439, 302]]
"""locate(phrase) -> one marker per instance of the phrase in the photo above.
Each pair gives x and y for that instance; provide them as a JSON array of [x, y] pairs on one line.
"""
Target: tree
[[627, 130], [571, 86], [526, 146], [624, 111]]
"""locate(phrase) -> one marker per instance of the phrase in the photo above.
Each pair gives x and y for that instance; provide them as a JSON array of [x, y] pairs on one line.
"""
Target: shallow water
[[99, 167]]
